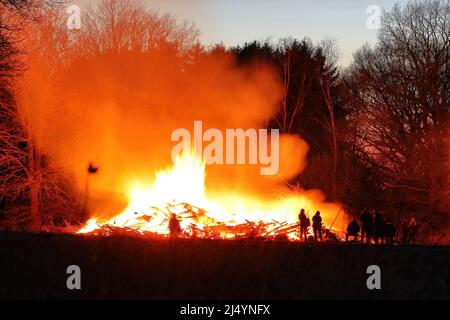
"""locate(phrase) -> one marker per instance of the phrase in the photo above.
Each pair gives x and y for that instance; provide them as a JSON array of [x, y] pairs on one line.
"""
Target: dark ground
[[34, 266]]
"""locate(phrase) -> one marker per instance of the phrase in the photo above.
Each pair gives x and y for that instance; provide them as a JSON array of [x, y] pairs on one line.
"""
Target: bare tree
[[327, 73], [295, 78], [400, 99], [25, 177], [28, 180], [122, 25]]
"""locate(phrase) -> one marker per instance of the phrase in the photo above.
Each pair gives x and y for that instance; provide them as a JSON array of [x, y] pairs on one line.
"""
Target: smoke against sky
[[109, 99]]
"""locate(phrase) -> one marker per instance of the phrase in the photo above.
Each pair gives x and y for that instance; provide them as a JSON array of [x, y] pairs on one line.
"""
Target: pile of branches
[[212, 229]]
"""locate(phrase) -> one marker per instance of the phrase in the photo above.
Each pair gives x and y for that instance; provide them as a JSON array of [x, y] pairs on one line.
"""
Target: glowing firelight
[[180, 189]]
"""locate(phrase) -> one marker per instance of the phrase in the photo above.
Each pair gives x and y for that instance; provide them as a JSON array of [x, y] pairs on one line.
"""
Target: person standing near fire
[[366, 225], [404, 232], [412, 227], [174, 226], [303, 225], [378, 227], [317, 226]]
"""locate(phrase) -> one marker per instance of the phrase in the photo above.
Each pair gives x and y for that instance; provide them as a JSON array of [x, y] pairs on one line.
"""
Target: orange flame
[[150, 204]]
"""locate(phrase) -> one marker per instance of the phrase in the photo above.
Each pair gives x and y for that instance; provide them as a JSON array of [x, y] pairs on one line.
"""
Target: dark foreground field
[[34, 266]]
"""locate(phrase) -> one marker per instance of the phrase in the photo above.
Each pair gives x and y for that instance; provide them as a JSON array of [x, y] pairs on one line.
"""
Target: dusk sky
[[233, 22]]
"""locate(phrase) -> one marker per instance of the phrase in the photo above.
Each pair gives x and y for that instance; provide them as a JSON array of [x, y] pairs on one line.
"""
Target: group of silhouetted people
[[373, 225], [305, 223]]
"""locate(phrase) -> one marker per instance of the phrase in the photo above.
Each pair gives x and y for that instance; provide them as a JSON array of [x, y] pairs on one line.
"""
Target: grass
[[34, 266]]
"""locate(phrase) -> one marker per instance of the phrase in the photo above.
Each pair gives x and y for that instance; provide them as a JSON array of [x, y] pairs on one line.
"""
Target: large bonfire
[[180, 190]]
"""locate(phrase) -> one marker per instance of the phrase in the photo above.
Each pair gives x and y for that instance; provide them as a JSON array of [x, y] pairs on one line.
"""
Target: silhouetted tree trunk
[[20, 160], [295, 81], [325, 86], [34, 181]]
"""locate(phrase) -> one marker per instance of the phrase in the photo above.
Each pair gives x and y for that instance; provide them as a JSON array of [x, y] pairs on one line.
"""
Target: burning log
[[290, 228], [280, 225], [198, 224]]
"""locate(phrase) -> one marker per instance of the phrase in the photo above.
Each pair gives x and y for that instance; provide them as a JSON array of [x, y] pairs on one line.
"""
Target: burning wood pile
[[169, 200], [199, 225]]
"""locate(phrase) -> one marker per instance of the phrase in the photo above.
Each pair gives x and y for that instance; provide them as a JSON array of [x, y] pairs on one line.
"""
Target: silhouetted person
[[404, 232], [366, 225], [378, 224], [303, 224], [388, 232], [317, 226], [352, 230], [412, 227], [174, 226]]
